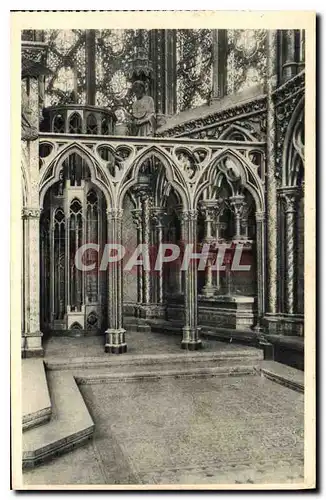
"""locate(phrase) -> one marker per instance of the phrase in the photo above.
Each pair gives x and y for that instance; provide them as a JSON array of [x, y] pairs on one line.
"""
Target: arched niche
[[74, 214]]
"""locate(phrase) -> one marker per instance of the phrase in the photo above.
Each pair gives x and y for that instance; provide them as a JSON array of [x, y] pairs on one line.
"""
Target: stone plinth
[[228, 311], [236, 312]]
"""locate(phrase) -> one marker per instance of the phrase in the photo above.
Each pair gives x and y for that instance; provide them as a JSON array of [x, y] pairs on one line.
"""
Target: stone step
[[209, 332], [105, 377], [36, 403], [70, 424], [226, 356], [284, 375]]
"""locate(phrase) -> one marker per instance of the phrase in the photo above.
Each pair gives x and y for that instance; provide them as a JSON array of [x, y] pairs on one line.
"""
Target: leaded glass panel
[[194, 68], [246, 59], [114, 50], [67, 60]]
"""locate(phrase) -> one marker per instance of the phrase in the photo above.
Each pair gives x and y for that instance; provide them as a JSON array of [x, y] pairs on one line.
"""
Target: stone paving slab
[[36, 403], [240, 430]]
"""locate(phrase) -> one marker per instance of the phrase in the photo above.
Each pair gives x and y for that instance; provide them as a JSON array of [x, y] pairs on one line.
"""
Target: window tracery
[[66, 58], [246, 59], [194, 68]]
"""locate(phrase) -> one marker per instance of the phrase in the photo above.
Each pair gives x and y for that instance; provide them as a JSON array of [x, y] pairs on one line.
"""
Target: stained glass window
[[194, 68], [246, 59], [114, 49], [67, 60]]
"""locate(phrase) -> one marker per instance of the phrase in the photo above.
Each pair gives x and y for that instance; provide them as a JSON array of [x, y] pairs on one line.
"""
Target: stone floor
[[138, 343], [186, 431]]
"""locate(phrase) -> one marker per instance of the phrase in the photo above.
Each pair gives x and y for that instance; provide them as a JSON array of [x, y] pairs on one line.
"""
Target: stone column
[[115, 335], [158, 215], [208, 208], [289, 196], [90, 68], [260, 256], [190, 339], [146, 223], [219, 63], [32, 335], [238, 204], [302, 50], [290, 65], [170, 105], [271, 181], [137, 219]]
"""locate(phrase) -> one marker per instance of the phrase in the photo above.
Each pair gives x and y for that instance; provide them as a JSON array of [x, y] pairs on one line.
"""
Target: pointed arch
[[25, 185], [172, 173], [46, 181], [91, 124], [297, 118], [249, 177], [230, 132], [58, 123], [75, 124]]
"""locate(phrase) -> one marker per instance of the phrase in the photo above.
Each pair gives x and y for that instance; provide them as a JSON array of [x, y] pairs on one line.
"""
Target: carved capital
[[158, 214], [114, 213], [142, 191], [260, 216], [289, 197], [188, 215], [208, 209], [31, 213], [136, 215], [238, 204]]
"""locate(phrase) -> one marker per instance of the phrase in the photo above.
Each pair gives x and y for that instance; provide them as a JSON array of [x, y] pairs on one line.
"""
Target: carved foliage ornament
[[204, 127], [31, 213]]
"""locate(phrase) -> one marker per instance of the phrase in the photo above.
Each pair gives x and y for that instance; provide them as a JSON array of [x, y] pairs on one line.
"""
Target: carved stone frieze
[[250, 115]]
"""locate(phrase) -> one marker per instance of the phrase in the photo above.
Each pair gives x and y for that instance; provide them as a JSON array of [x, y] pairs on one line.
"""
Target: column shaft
[[115, 334], [146, 242], [271, 191], [219, 63], [190, 338], [32, 333], [290, 65], [289, 196]]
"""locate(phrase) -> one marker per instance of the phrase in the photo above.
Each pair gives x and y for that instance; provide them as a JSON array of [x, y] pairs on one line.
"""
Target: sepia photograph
[[163, 321]]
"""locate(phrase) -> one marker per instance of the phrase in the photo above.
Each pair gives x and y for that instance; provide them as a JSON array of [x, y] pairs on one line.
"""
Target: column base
[[209, 291], [115, 349], [190, 340], [115, 341], [268, 350], [32, 345], [191, 346]]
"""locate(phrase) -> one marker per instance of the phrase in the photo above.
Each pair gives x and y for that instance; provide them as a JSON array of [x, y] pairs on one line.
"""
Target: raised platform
[[36, 401], [70, 424]]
